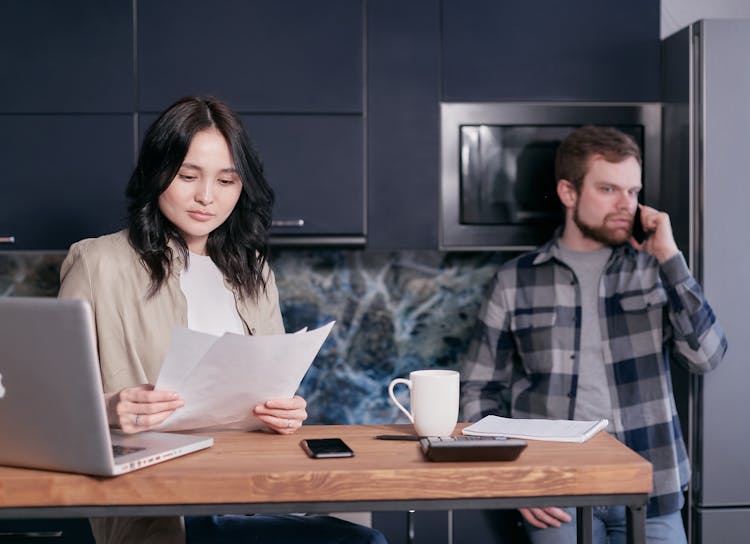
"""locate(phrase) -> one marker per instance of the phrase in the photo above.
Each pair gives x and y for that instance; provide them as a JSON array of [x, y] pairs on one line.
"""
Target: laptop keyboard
[[119, 451]]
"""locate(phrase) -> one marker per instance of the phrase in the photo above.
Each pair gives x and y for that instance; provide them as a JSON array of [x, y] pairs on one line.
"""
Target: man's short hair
[[578, 147]]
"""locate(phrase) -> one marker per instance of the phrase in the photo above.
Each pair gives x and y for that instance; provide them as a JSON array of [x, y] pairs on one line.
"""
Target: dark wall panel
[[403, 123], [66, 56], [67, 177], [314, 165], [258, 55], [599, 50]]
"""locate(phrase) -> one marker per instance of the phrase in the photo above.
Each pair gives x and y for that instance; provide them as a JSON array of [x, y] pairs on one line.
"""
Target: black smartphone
[[639, 234], [321, 448]]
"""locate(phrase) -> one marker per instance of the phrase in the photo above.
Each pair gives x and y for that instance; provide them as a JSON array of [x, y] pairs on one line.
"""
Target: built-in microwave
[[498, 189]]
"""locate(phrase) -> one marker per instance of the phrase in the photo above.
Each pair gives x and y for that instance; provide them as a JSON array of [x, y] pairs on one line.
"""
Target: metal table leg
[[635, 517], [585, 524]]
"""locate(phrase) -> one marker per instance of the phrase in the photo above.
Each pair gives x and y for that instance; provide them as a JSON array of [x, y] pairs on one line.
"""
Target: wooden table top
[[261, 467]]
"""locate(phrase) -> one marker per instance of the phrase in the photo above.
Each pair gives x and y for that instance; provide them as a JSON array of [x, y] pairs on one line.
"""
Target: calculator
[[471, 448]]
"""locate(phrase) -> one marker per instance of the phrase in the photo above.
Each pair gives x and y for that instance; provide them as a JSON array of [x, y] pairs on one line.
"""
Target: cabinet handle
[[7, 239], [24, 535], [288, 223]]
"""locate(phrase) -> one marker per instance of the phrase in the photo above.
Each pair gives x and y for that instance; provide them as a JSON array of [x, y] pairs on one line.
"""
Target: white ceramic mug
[[433, 400]]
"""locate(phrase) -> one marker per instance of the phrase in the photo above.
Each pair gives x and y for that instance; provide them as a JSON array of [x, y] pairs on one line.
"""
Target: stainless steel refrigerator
[[706, 189]]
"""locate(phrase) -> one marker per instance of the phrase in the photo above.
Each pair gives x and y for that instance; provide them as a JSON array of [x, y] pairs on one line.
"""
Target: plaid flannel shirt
[[523, 360]]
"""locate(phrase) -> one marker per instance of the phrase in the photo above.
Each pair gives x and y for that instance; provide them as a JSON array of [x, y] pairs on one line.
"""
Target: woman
[[195, 255]]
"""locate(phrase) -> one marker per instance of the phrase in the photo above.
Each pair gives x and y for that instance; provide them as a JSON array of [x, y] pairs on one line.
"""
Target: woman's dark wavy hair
[[239, 247]]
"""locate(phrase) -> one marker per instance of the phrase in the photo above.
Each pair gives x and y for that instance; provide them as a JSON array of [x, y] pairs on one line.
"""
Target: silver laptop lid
[[52, 413]]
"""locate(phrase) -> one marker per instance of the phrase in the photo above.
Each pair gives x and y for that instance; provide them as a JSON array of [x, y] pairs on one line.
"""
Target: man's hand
[[284, 416], [548, 516], [661, 242]]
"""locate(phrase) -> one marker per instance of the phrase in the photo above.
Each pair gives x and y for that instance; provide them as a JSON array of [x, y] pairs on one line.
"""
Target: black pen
[[398, 437]]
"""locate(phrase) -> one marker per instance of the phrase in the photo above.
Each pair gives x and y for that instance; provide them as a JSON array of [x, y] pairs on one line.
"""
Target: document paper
[[555, 430], [221, 378]]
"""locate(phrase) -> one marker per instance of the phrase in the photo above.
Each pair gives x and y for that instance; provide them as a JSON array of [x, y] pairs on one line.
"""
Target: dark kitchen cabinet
[[294, 71], [72, 56], [314, 164], [420, 527], [292, 56], [403, 125], [342, 97], [488, 526], [550, 50], [64, 177], [45, 531], [456, 526]]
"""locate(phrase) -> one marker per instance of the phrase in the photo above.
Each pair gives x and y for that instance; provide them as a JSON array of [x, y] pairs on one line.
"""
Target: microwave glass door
[[508, 173], [497, 181]]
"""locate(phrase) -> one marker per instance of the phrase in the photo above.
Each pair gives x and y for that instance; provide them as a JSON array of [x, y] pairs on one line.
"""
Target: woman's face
[[204, 191]]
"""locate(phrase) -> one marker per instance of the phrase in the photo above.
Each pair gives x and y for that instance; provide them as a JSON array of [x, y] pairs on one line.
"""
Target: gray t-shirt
[[592, 396]]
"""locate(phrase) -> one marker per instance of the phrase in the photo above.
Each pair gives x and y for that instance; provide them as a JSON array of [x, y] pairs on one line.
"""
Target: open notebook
[[52, 412], [556, 430]]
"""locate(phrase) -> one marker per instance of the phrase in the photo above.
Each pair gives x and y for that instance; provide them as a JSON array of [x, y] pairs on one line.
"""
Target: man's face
[[607, 200]]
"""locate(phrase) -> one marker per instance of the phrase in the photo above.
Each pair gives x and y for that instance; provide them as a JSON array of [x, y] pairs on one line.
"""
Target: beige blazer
[[133, 334], [133, 331]]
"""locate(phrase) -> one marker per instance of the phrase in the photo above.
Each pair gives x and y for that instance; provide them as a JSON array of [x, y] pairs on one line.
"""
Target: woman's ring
[[137, 417], [289, 423]]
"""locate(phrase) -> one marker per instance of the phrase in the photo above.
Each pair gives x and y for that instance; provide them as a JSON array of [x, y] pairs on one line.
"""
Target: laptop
[[52, 412]]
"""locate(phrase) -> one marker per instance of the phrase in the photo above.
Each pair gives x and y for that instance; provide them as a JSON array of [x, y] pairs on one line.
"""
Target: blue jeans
[[609, 528], [278, 529]]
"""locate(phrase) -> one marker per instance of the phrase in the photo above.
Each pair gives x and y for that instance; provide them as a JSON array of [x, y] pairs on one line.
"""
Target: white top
[[211, 307]]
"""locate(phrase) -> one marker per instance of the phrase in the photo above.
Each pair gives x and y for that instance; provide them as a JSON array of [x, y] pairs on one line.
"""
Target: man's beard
[[602, 233]]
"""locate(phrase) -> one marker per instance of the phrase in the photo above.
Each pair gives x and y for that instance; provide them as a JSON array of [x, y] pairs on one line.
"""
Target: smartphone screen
[[319, 448]]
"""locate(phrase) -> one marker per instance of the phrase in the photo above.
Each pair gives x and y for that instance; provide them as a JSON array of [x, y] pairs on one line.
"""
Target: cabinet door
[[403, 123], [599, 50], [314, 164], [258, 55], [64, 178], [490, 526], [71, 56], [420, 527], [457, 526]]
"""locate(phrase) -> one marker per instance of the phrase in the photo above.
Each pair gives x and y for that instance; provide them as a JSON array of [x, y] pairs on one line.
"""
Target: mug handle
[[393, 397]]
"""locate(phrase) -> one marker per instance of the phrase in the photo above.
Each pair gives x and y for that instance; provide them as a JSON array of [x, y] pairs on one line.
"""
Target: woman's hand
[[284, 416], [139, 408]]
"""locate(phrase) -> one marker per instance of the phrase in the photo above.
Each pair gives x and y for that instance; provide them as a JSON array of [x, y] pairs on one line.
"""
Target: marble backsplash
[[394, 311]]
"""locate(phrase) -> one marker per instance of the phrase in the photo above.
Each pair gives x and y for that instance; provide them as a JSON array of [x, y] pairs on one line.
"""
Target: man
[[585, 327]]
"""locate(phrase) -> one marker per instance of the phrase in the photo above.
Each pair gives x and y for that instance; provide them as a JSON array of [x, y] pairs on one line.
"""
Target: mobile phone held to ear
[[639, 234], [322, 448]]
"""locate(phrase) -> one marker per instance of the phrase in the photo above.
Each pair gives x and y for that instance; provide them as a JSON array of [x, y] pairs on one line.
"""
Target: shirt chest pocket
[[643, 310], [534, 334], [644, 302], [524, 323]]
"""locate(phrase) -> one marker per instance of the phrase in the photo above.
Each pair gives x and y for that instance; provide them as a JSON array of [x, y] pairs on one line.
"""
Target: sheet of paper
[[186, 349], [221, 378], [556, 430]]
